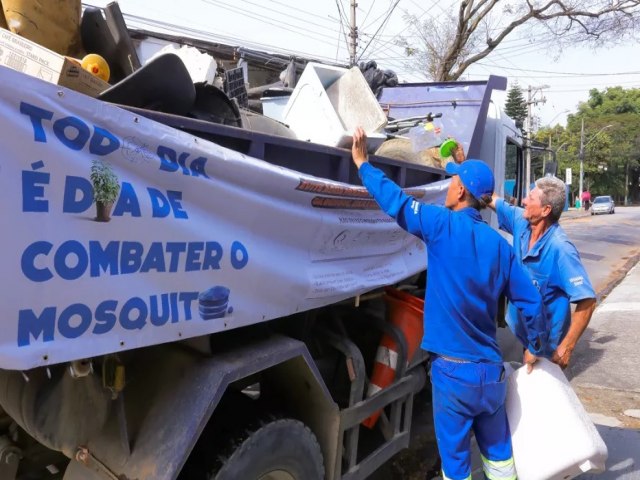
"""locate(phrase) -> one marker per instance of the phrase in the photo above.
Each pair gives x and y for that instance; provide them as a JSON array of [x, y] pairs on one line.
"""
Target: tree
[[516, 105], [612, 158], [452, 41]]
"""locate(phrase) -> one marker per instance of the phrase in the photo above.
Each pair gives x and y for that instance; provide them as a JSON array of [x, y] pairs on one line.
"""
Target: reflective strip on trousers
[[444, 477], [499, 469]]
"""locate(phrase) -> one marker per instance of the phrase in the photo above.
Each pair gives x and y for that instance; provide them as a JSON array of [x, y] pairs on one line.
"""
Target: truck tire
[[281, 450]]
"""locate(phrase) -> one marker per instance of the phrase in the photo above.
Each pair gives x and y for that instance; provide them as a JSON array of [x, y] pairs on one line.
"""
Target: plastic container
[[273, 107], [552, 434], [427, 135], [446, 149], [329, 102], [201, 66]]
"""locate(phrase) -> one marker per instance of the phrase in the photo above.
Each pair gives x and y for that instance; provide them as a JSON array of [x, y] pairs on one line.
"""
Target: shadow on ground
[[624, 455]]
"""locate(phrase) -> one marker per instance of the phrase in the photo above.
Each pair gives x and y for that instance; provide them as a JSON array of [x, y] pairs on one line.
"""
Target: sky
[[314, 28]]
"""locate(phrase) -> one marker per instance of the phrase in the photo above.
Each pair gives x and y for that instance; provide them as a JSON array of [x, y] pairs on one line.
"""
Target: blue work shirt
[[470, 265], [555, 268]]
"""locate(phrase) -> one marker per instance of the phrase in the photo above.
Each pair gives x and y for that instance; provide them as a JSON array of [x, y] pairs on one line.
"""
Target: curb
[[620, 275]]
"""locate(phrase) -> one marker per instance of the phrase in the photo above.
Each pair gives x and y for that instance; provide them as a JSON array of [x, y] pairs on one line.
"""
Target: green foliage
[[516, 105], [611, 154], [611, 101], [105, 182]]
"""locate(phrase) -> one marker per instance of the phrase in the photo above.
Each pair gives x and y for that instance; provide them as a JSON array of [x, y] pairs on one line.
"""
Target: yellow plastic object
[[97, 66]]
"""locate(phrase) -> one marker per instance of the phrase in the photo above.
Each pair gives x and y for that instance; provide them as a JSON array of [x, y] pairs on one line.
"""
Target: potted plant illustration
[[105, 188]]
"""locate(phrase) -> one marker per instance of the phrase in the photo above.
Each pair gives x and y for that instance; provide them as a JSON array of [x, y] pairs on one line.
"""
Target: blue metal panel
[[464, 106]]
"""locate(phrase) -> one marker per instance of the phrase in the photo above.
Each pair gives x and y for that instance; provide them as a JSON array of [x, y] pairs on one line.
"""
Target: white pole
[[581, 161]]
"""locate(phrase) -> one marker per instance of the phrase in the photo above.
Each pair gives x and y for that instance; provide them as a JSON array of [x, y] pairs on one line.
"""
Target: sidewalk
[[605, 373], [574, 213]]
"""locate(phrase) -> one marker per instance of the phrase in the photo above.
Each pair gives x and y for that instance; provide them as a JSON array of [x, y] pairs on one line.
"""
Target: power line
[[342, 32], [370, 10], [341, 12], [301, 10], [265, 19], [204, 35], [571, 74], [382, 25]]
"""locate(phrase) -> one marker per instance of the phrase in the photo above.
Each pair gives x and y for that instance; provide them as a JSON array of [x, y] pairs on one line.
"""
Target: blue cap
[[475, 175]]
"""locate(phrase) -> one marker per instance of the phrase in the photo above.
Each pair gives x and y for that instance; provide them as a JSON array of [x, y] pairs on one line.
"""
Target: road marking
[[620, 307]]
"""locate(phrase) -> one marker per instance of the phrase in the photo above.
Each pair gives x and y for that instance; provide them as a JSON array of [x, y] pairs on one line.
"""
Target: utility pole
[[581, 153], [544, 158], [353, 35], [626, 184], [581, 156], [527, 145], [532, 91]]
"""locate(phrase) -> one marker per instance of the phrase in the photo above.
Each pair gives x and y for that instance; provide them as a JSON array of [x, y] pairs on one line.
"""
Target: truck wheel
[[281, 450]]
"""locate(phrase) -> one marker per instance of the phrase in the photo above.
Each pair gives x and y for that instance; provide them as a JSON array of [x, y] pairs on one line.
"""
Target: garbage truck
[[183, 298]]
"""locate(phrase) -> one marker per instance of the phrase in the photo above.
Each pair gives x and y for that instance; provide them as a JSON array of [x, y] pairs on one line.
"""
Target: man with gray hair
[[554, 264]]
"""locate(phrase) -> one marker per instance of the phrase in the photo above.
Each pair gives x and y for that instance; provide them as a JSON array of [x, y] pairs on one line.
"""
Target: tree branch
[[462, 48]]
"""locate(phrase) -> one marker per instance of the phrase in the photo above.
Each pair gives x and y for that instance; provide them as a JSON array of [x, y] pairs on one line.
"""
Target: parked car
[[603, 204]]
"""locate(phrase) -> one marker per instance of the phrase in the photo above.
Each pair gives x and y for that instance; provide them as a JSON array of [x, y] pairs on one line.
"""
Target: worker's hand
[[494, 199], [457, 153], [562, 356], [529, 359], [359, 147]]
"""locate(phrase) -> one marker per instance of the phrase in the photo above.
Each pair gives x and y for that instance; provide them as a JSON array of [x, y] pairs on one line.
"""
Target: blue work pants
[[470, 396]]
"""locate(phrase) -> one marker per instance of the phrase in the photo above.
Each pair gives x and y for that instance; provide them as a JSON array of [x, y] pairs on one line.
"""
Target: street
[[608, 244]]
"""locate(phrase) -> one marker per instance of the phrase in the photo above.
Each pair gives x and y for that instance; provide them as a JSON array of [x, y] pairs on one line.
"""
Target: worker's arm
[[457, 152], [579, 322], [359, 148], [406, 210], [494, 198], [508, 215], [526, 298], [575, 282]]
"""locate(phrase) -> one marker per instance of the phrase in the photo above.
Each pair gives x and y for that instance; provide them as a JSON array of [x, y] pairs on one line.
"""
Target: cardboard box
[[28, 57]]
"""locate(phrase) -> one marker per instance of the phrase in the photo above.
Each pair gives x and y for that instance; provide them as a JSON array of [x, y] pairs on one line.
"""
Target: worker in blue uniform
[[469, 266], [554, 264]]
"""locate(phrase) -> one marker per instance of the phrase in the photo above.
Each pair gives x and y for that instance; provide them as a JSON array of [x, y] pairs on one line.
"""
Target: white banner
[[201, 238], [568, 176]]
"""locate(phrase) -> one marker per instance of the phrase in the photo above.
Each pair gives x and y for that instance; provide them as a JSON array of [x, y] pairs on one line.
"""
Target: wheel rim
[[277, 475]]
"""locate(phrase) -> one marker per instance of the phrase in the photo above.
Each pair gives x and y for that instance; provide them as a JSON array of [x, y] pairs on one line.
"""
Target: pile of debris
[[91, 51]]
